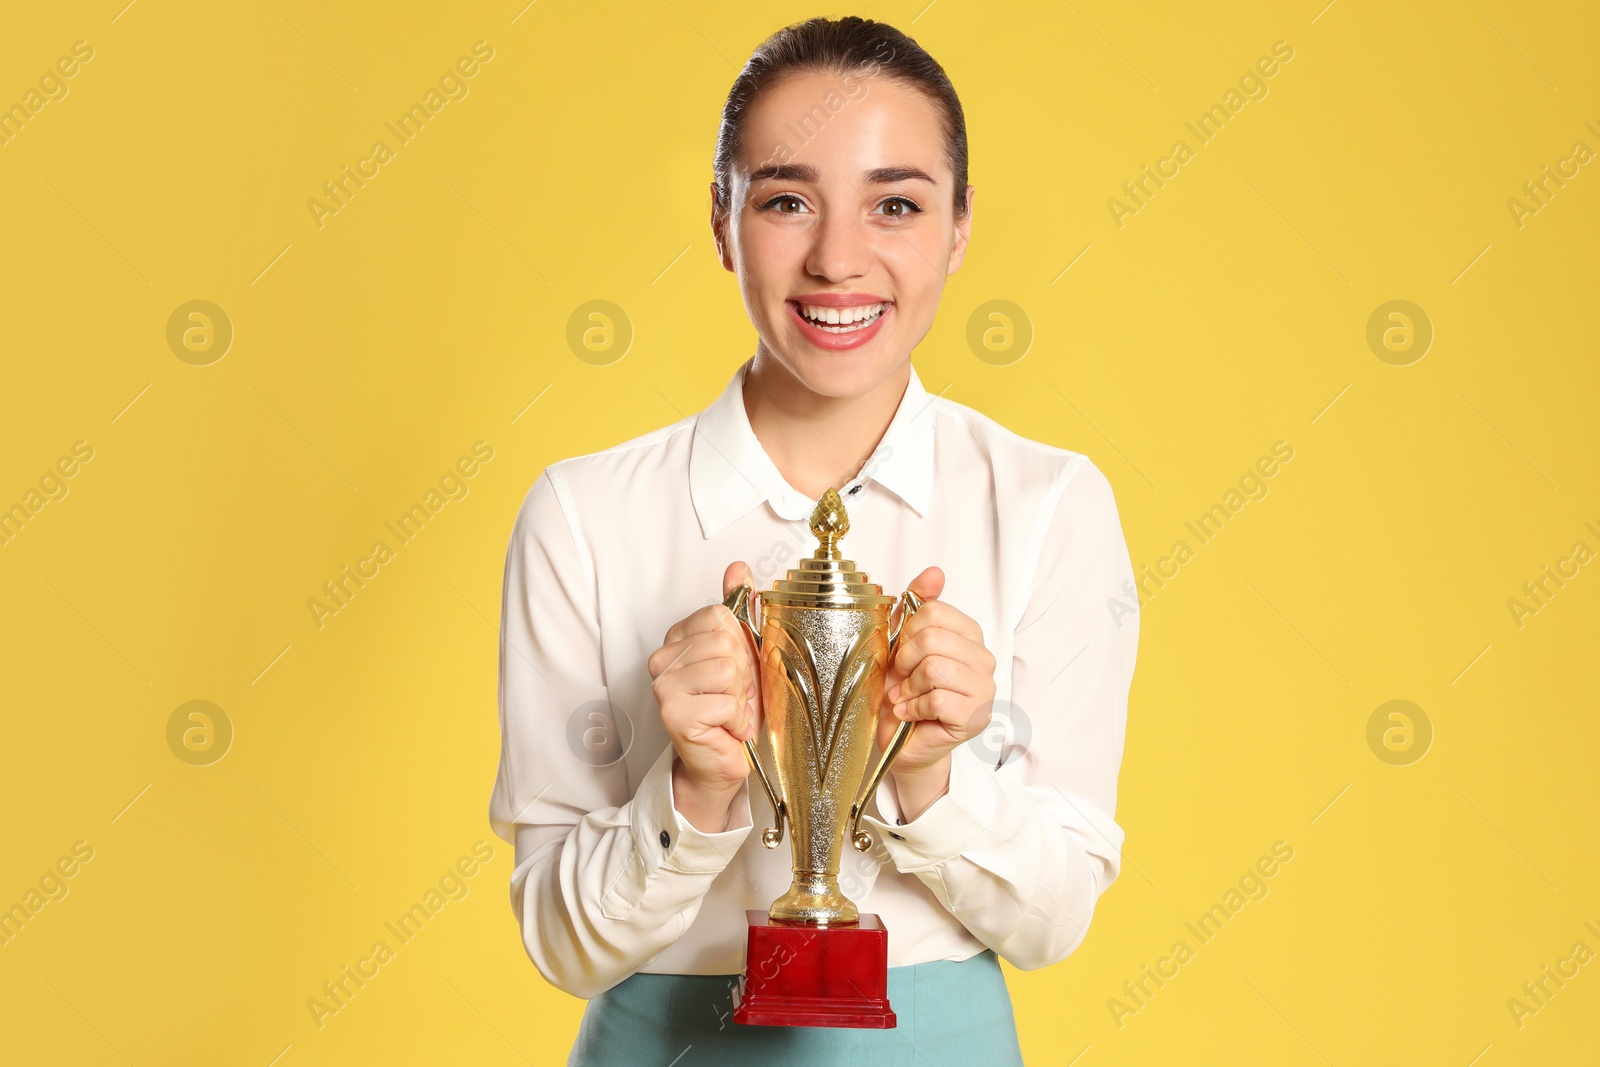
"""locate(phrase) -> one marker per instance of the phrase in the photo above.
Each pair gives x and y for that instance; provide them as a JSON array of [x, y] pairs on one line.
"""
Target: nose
[[839, 248]]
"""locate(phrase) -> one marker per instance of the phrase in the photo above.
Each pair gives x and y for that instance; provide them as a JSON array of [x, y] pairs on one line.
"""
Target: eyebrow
[[805, 172]]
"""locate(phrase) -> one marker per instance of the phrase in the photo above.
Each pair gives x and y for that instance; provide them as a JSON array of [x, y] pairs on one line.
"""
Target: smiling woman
[[840, 203]]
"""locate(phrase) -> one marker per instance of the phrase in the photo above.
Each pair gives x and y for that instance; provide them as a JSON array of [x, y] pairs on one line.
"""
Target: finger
[[942, 706], [717, 674], [934, 623], [941, 672], [937, 641], [946, 616], [714, 615], [706, 619], [717, 619], [709, 644], [709, 712]]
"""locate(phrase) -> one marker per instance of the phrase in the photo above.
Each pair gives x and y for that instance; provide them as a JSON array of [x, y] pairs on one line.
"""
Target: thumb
[[929, 584], [737, 574]]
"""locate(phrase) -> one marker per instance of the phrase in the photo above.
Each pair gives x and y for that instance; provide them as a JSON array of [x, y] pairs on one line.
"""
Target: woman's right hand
[[704, 678]]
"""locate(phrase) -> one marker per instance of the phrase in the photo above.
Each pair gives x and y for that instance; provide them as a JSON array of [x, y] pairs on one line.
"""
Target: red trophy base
[[815, 975]]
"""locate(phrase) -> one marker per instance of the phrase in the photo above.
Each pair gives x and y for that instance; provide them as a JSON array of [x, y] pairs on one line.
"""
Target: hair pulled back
[[849, 47]]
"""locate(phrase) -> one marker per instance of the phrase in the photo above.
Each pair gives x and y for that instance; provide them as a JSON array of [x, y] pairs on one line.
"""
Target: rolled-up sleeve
[[607, 872], [1020, 854]]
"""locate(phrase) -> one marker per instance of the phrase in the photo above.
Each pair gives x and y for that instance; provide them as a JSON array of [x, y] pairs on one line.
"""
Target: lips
[[838, 338]]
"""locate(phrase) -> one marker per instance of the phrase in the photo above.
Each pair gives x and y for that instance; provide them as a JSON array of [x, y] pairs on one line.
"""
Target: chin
[[839, 374]]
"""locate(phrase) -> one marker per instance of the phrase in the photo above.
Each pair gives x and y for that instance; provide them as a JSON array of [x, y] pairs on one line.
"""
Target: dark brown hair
[[845, 46]]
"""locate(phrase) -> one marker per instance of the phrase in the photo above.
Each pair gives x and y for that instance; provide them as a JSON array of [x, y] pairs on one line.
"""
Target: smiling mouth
[[840, 320]]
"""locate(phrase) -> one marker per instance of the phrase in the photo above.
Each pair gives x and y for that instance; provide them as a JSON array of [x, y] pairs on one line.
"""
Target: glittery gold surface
[[822, 674]]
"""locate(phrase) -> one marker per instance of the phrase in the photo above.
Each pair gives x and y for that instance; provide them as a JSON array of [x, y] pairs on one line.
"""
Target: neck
[[817, 442]]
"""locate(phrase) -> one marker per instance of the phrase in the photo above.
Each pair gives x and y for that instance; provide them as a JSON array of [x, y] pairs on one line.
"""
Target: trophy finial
[[829, 522]]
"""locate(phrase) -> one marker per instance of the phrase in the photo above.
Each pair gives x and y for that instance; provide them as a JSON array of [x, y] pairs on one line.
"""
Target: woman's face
[[842, 196]]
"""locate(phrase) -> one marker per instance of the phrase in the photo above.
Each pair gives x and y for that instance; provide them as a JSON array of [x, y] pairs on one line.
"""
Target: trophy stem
[[814, 899]]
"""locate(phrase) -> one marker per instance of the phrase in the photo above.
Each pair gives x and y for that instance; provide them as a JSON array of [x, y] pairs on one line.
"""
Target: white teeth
[[851, 318]]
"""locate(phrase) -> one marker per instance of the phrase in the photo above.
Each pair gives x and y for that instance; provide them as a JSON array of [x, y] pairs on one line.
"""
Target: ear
[[958, 251], [719, 232]]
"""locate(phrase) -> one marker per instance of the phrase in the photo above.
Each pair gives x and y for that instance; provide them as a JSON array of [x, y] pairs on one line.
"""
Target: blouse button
[[854, 490], [666, 839]]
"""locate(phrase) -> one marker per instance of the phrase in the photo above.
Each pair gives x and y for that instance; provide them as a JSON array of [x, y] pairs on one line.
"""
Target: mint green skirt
[[948, 1013]]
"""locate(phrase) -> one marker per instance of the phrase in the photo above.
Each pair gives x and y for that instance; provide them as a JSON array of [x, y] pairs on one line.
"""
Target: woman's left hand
[[942, 678]]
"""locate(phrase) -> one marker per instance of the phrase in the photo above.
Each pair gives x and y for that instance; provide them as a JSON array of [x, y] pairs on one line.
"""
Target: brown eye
[[907, 207]]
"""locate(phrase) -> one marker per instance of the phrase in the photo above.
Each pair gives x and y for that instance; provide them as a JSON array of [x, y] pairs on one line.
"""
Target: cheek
[[916, 264], [769, 259], [776, 255], [917, 298]]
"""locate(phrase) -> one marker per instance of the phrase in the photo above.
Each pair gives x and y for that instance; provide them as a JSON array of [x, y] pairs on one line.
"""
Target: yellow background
[[369, 354]]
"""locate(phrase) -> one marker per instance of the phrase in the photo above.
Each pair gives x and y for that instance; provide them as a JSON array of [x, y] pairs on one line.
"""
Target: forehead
[[843, 124]]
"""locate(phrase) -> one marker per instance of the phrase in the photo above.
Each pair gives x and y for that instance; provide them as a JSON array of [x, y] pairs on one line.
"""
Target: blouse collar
[[730, 473]]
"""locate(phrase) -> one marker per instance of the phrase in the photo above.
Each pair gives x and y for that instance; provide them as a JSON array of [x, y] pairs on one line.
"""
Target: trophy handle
[[738, 602], [909, 603]]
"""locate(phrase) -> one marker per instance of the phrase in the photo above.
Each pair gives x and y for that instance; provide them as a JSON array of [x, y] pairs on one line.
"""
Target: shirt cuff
[[661, 831], [950, 826]]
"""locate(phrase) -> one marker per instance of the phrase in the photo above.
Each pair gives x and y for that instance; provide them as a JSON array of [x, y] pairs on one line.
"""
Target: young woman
[[841, 203]]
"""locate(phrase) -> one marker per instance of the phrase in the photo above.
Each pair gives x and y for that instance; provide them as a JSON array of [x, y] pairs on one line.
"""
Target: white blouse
[[610, 549]]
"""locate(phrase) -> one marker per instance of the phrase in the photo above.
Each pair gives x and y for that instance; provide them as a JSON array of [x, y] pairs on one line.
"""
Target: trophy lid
[[824, 579]]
